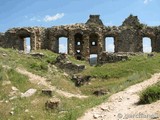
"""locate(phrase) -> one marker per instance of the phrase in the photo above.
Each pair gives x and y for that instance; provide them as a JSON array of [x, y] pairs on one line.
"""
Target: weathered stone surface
[[37, 54], [85, 39], [100, 92], [94, 20], [2, 39], [105, 57], [80, 80], [64, 63], [47, 92], [52, 103], [29, 93]]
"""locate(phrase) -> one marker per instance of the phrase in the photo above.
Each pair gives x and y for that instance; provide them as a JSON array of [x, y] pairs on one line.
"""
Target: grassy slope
[[112, 77]]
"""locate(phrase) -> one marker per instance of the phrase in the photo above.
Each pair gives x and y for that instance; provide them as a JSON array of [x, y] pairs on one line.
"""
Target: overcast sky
[[47, 13]]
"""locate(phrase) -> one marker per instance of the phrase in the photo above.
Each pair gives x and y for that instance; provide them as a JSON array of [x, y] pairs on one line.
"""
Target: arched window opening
[[78, 45], [93, 43], [78, 39], [93, 39]]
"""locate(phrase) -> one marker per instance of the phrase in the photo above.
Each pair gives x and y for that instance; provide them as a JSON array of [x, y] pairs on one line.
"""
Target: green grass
[[151, 94], [126, 68], [112, 77], [17, 80], [39, 66]]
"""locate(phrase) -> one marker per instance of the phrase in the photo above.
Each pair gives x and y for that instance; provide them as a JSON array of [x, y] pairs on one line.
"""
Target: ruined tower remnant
[[85, 38]]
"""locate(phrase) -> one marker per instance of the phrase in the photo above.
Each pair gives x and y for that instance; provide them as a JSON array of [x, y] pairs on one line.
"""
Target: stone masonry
[[85, 38]]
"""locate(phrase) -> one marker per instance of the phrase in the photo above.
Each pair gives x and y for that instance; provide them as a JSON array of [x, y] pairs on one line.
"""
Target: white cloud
[[49, 18], [146, 1], [35, 19]]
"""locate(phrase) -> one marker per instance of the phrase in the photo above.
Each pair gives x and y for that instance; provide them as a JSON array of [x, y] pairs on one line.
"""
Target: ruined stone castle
[[85, 38]]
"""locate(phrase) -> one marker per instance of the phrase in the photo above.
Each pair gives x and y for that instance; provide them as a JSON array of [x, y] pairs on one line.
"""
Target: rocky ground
[[123, 105]]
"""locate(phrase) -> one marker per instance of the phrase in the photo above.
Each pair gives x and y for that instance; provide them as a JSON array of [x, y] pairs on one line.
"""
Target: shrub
[[151, 94], [38, 66]]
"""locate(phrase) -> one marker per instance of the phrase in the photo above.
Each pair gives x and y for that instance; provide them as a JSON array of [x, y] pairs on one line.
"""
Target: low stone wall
[[65, 64], [105, 57]]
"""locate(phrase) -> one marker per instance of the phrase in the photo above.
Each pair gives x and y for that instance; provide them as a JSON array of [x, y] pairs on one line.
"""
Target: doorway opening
[[63, 45], [147, 48], [28, 44], [109, 44]]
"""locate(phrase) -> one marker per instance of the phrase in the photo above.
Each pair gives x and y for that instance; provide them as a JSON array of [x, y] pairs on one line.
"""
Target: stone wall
[[105, 57], [2, 39], [85, 38], [15, 37]]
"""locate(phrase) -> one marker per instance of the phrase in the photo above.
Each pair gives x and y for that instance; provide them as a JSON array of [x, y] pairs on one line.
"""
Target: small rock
[[81, 80], [26, 110], [4, 54], [65, 74], [120, 99], [150, 55], [29, 93], [105, 109], [32, 117], [37, 54], [14, 88], [47, 92], [52, 103], [100, 92], [12, 98], [95, 116], [12, 113]]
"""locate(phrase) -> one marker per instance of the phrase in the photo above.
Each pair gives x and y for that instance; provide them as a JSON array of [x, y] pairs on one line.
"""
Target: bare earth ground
[[122, 105], [38, 80]]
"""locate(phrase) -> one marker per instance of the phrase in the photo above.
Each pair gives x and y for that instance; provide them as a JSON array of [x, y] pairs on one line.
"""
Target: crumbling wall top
[[132, 21], [94, 20]]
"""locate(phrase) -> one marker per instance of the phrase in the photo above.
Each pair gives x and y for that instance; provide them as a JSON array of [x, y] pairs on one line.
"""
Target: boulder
[[106, 57], [47, 92], [37, 54], [52, 103], [100, 92], [81, 80], [29, 93]]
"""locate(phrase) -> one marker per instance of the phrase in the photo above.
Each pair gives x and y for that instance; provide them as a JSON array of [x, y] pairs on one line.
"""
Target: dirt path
[[38, 80], [122, 105]]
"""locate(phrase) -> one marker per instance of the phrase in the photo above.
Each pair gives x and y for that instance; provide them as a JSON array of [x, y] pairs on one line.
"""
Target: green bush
[[39, 66], [151, 94]]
